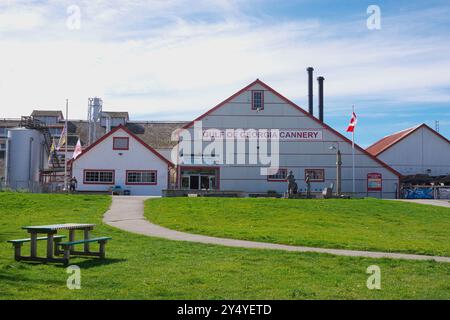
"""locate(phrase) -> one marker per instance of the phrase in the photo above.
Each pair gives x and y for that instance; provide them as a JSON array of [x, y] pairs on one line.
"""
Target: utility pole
[[338, 172], [65, 149], [338, 169], [353, 155]]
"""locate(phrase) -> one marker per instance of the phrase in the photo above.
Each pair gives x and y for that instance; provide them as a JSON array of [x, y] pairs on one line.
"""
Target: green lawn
[[139, 267], [365, 224]]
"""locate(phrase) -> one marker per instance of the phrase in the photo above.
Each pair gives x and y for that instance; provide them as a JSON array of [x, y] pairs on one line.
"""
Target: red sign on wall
[[374, 182]]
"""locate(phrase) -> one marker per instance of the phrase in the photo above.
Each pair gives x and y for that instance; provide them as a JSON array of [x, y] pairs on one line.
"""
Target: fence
[[425, 192]]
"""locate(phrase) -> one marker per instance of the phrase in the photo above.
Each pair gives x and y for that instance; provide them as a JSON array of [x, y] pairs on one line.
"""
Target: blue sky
[[175, 59]]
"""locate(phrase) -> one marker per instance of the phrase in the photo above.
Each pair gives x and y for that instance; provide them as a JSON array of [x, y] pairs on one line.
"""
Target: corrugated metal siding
[[294, 155], [420, 151]]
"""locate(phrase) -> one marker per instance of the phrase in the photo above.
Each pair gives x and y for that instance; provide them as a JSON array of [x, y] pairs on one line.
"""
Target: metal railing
[[30, 122], [425, 192]]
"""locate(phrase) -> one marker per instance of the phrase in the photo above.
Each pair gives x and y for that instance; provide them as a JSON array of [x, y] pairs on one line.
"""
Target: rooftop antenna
[[437, 125]]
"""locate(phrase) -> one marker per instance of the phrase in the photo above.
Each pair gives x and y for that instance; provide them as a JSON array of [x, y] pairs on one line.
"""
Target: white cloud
[[191, 64], [21, 19]]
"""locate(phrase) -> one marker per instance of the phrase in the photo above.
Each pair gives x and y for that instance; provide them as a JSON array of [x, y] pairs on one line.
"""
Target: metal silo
[[25, 157]]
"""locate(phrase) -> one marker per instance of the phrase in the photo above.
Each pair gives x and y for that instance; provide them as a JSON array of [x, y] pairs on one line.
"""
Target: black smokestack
[[320, 80], [310, 90]]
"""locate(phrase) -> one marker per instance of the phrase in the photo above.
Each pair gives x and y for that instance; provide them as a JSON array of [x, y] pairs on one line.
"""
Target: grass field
[[365, 224], [139, 267]]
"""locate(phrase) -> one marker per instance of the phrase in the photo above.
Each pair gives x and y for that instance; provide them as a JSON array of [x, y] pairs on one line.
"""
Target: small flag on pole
[[77, 150], [52, 151], [62, 138], [351, 128], [353, 122]]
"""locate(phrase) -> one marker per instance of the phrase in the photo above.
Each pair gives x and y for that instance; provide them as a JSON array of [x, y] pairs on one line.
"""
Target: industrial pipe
[[320, 80], [310, 90]]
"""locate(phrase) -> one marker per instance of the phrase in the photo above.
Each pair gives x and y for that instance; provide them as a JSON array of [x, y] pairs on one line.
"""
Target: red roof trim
[[257, 81], [384, 143], [190, 124], [122, 127], [401, 136]]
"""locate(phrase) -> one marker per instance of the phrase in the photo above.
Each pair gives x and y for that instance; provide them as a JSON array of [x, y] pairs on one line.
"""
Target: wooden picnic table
[[51, 231]]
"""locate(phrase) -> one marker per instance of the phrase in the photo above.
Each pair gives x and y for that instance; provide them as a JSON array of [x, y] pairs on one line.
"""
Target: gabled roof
[[116, 114], [157, 134], [387, 142], [324, 125], [121, 127], [47, 113]]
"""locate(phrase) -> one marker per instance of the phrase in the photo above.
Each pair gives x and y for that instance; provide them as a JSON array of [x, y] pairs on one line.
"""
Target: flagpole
[[353, 155], [65, 149]]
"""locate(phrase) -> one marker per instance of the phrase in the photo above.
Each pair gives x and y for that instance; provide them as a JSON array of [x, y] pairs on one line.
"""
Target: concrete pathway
[[127, 213], [438, 203]]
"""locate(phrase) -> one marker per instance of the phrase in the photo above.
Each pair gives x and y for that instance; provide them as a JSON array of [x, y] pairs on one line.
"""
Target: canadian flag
[[77, 150], [353, 122]]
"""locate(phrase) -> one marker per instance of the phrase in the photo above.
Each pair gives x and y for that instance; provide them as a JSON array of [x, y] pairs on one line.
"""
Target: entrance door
[[185, 184], [204, 182], [194, 183], [199, 179], [212, 182]]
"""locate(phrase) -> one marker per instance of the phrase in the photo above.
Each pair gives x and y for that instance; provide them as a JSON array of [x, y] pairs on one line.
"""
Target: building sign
[[281, 134], [374, 182], [301, 135]]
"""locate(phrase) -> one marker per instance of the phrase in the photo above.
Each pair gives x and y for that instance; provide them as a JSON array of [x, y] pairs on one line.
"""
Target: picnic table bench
[[67, 247], [54, 243], [19, 242]]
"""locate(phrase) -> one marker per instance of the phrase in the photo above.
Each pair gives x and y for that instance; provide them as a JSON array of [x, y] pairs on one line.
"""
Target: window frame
[[121, 138], [55, 131], [277, 179], [4, 132], [141, 183], [85, 171], [316, 169], [253, 99]]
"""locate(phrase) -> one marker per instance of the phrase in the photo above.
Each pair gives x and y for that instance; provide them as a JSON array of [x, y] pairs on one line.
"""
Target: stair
[[31, 123]]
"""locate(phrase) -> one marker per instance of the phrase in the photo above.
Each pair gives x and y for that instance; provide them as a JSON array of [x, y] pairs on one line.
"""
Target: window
[[142, 177], [121, 143], [315, 175], [47, 119], [99, 176], [281, 175], [2, 146], [185, 182], [257, 100], [55, 132], [3, 132]]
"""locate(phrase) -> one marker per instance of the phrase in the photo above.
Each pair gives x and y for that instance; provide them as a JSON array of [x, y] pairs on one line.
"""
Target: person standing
[[73, 184], [308, 186]]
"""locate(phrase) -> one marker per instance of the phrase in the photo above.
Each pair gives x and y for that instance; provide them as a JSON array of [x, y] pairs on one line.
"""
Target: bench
[[67, 247], [17, 243]]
